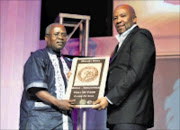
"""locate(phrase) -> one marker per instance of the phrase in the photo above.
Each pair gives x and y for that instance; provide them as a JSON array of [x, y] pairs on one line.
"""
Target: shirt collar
[[124, 34]]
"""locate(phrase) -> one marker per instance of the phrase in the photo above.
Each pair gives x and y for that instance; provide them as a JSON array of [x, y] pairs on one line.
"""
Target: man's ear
[[135, 20], [46, 38]]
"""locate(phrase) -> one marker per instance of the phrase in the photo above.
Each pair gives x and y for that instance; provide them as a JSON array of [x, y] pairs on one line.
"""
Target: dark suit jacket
[[130, 79]]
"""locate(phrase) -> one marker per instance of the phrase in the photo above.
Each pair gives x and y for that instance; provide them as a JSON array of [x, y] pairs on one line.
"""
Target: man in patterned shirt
[[45, 80]]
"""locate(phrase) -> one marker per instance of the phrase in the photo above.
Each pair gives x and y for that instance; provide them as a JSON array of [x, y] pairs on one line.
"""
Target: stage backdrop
[[19, 35], [20, 25]]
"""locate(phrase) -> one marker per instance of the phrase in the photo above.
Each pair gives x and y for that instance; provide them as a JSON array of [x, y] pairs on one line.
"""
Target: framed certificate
[[87, 81]]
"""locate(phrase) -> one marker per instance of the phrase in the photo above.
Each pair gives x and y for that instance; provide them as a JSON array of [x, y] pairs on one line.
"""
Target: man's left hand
[[100, 103]]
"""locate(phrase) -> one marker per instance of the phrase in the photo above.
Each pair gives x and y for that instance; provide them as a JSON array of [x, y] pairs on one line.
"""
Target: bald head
[[129, 8]]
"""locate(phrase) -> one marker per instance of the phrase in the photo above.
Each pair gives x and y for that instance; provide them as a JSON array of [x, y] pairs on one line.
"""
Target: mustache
[[119, 25], [60, 41]]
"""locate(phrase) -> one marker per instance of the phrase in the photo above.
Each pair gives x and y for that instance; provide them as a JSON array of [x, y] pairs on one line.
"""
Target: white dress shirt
[[122, 37]]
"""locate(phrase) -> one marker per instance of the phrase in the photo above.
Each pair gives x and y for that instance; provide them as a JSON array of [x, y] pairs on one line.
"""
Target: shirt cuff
[[109, 100]]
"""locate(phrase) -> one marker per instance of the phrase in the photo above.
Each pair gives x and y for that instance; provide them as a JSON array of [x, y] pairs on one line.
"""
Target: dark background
[[100, 12]]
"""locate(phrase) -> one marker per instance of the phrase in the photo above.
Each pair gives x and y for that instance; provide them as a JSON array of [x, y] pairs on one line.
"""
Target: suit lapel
[[114, 53], [129, 36]]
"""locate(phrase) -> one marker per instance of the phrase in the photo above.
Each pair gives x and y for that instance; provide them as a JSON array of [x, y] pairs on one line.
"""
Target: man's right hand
[[50, 99]]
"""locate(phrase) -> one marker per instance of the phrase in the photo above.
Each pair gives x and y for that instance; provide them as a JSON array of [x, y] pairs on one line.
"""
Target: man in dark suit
[[129, 92]]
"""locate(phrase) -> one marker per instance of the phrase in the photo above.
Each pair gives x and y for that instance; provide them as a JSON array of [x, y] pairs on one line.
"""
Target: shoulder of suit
[[143, 30]]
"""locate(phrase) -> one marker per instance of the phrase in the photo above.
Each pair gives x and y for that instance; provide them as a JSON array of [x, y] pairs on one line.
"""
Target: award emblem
[[88, 74]]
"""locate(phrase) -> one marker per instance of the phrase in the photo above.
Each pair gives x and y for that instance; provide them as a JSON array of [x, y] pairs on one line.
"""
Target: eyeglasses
[[56, 35]]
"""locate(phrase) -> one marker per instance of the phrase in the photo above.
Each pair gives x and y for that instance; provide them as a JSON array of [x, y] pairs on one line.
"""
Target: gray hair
[[48, 28]]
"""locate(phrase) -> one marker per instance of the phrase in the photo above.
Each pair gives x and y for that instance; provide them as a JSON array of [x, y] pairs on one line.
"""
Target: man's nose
[[59, 36], [119, 20]]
